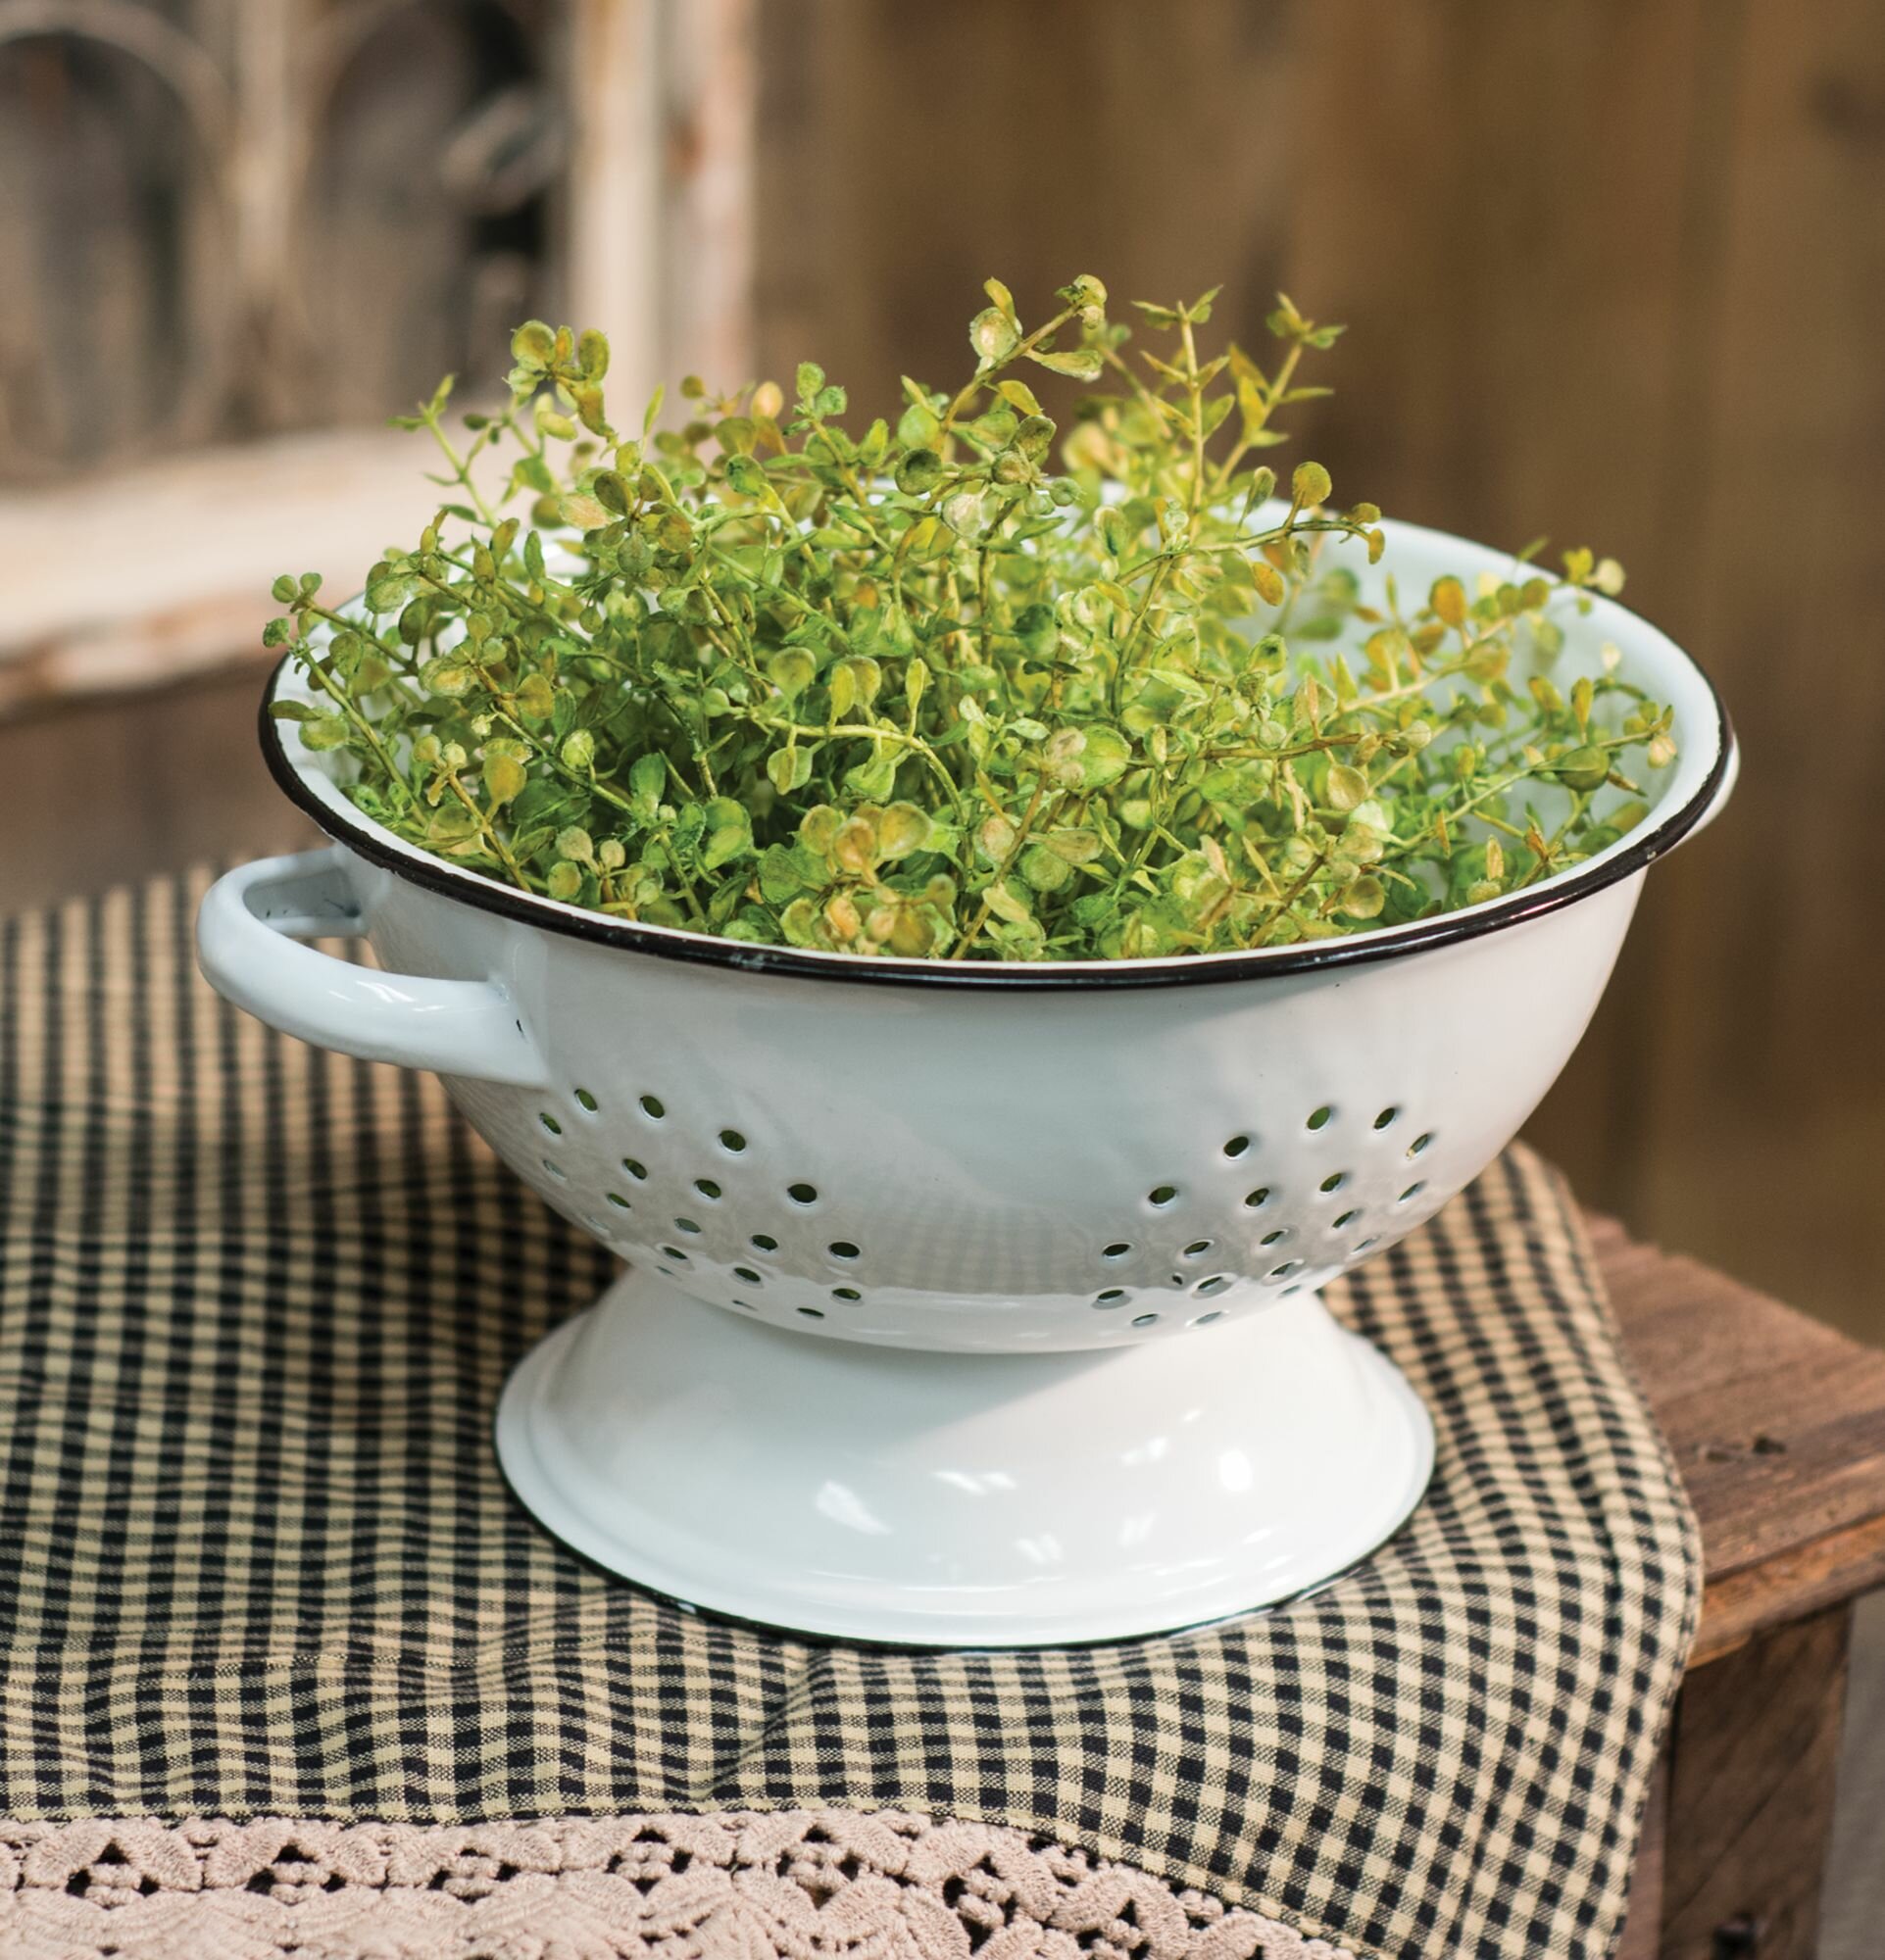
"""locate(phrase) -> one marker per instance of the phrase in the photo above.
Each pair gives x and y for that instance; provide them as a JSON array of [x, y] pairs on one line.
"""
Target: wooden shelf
[[1777, 1426], [154, 574]]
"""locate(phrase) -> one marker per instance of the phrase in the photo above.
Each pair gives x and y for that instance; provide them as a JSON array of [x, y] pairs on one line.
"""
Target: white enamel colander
[[970, 1304]]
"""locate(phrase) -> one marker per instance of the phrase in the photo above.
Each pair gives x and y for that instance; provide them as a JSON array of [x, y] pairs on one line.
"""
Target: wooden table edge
[[1777, 1425]]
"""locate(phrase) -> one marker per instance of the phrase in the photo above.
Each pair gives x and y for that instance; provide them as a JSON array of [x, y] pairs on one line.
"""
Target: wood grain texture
[[1777, 1426], [1752, 1761], [1767, 1032], [909, 152], [132, 789], [613, 214], [708, 126], [220, 220], [195, 542]]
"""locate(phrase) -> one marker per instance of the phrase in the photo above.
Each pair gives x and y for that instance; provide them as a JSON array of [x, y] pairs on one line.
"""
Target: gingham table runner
[[256, 1564]]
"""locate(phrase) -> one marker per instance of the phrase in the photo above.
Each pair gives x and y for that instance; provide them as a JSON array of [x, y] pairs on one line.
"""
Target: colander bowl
[[970, 1304]]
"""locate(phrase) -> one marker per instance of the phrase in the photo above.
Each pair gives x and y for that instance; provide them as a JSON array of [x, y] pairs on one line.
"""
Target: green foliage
[[970, 687]]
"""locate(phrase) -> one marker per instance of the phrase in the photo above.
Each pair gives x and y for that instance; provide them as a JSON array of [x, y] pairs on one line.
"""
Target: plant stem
[[982, 918]]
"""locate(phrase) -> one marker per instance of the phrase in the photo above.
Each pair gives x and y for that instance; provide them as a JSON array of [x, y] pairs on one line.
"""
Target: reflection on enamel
[[1096, 1494], [975, 1484], [843, 1507]]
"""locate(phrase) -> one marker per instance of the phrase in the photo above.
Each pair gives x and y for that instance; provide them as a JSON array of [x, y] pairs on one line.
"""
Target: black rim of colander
[[1658, 834]]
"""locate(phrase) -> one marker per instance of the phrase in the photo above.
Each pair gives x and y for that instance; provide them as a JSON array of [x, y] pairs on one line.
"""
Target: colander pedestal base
[[942, 1500]]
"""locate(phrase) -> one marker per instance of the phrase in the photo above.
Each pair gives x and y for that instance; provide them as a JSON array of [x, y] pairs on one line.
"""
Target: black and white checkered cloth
[[256, 1304]]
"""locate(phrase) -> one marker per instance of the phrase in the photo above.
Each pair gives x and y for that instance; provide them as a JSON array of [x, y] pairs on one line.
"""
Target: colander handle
[[247, 942]]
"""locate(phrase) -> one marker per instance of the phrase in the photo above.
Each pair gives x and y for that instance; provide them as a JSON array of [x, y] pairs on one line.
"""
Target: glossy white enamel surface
[[956, 1499], [1057, 1253], [247, 943], [1021, 1234], [1044, 1172]]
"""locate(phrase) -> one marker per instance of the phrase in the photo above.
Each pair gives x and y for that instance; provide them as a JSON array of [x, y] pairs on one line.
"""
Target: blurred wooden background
[[1613, 272]]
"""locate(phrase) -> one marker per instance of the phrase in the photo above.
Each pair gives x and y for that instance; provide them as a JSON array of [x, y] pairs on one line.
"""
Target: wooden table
[[1778, 1427]]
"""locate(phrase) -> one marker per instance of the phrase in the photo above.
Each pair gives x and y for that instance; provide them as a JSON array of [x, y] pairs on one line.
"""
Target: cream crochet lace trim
[[800, 1885]]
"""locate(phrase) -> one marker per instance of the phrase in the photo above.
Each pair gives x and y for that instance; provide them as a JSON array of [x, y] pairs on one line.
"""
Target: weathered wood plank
[[911, 152], [659, 239], [707, 147], [659, 206], [1777, 1425], [1844, 1565], [613, 208], [135, 788], [1762, 1097], [1752, 1767], [156, 573]]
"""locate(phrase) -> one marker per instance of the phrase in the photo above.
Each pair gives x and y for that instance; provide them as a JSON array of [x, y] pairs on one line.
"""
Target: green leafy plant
[[963, 687]]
